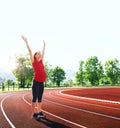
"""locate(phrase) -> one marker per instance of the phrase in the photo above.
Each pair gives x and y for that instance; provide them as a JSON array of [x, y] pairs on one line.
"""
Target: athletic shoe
[[40, 114], [35, 116]]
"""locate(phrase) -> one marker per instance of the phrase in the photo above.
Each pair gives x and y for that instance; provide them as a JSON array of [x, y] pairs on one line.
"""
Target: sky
[[73, 30]]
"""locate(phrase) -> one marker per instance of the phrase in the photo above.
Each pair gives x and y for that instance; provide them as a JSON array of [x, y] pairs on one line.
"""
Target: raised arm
[[43, 50], [28, 47]]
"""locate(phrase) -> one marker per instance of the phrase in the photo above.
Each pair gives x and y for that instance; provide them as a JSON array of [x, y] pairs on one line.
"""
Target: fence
[[12, 88]]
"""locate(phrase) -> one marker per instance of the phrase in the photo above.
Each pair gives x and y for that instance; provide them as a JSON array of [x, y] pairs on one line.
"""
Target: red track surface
[[68, 108]]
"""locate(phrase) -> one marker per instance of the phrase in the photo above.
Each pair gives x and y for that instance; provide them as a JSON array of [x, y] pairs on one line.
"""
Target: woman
[[38, 79]]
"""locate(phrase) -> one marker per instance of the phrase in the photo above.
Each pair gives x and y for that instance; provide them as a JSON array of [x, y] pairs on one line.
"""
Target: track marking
[[4, 114], [94, 99], [55, 115], [91, 112], [79, 109], [87, 111], [102, 106]]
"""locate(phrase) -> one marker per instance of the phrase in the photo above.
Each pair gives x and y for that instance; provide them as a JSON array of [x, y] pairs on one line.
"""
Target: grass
[[11, 89]]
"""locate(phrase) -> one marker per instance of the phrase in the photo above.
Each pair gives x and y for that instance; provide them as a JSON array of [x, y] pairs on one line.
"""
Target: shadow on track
[[52, 124]]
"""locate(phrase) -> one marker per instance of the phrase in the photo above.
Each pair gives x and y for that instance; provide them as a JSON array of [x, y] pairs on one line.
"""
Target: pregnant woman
[[38, 79]]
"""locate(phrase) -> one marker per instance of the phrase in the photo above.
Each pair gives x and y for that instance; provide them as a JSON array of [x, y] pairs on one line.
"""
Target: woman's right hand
[[24, 38]]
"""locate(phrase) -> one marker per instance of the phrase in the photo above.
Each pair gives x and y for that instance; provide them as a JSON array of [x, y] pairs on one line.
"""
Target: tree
[[93, 70], [29, 76], [58, 75], [48, 70], [80, 74], [29, 71], [23, 70], [69, 83], [112, 70], [8, 82]]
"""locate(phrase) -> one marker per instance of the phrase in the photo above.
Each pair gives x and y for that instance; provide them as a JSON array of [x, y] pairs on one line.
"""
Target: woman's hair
[[35, 55]]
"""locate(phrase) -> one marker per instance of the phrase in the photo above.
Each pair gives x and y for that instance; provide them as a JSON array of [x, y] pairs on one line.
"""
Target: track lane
[[92, 112], [99, 116], [61, 111], [52, 108], [105, 109], [96, 93], [86, 99], [4, 113], [81, 102], [19, 113], [3, 121]]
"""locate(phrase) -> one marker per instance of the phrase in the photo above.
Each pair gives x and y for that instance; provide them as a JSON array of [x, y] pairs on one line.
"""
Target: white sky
[[74, 30]]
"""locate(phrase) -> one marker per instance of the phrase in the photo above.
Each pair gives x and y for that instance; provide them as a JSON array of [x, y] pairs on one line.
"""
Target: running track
[[64, 108]]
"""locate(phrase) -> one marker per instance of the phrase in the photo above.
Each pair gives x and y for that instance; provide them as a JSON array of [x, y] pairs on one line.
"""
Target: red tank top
[[39, 71]]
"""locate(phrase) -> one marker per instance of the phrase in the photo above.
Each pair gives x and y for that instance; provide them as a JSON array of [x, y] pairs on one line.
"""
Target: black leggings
[[37, 91]]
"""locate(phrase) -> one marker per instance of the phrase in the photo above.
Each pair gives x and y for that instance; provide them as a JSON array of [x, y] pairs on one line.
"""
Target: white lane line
[[80, 102], [55, 115], [4, 114], [95, 113], [94, 99], [87, 111]]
